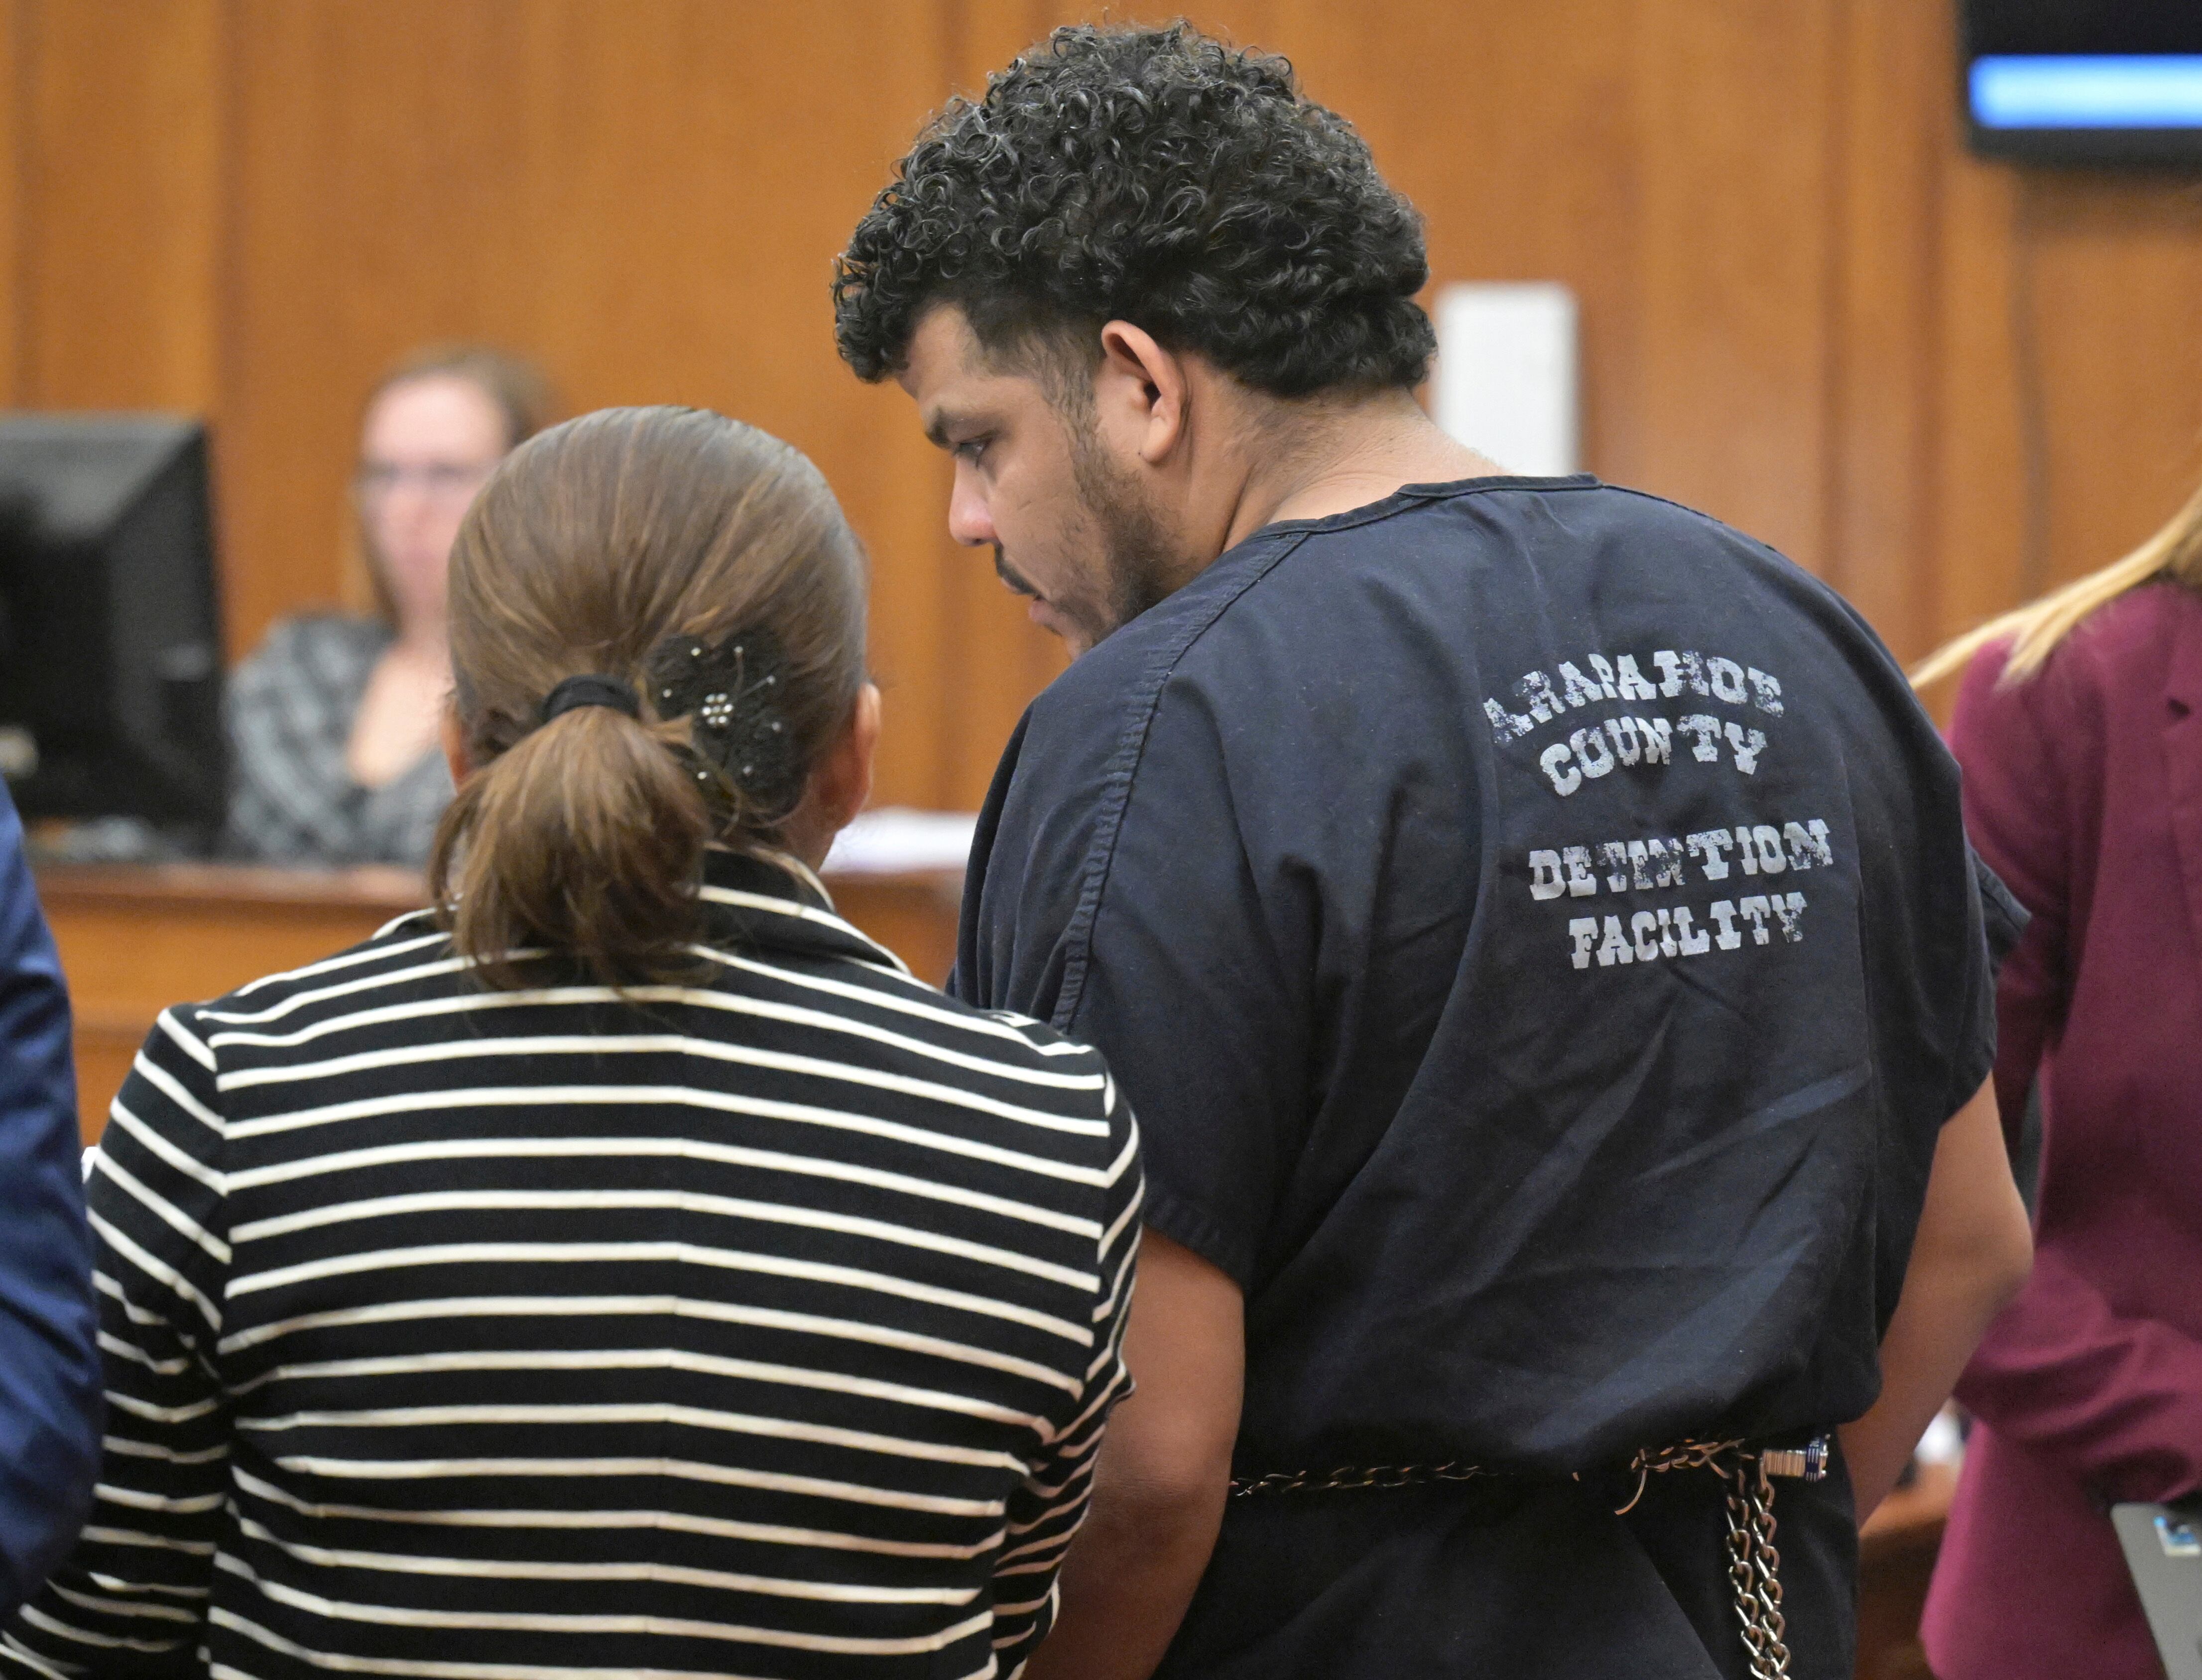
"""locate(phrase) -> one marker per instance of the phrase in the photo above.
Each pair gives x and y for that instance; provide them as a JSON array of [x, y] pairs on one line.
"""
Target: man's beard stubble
[[1138, 561]]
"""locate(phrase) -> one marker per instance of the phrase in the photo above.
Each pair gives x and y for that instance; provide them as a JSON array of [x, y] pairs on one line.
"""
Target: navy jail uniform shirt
[[1535, 924], [50, 1382]]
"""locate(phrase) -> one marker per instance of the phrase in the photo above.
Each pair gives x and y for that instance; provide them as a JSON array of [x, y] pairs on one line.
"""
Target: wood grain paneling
[[14, 150], [1936, 381], [2113, 276], [121, 202], [1731, 388], [1892, 128], [1978, 561]]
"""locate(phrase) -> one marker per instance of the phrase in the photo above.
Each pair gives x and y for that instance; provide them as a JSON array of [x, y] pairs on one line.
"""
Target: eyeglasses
[[437, 480]]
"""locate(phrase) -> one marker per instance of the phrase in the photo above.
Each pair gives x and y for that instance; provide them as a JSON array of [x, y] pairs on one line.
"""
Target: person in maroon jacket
[[2079, 727]]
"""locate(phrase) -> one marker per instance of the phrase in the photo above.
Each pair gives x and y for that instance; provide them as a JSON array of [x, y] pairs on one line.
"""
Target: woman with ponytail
[[623, 1266], [2078, 727]]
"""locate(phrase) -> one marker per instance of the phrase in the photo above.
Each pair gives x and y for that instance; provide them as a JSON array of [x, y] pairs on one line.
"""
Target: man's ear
[[1141, 393]]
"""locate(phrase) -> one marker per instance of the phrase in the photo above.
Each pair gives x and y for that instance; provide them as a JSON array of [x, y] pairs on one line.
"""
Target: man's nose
[[969, 522]]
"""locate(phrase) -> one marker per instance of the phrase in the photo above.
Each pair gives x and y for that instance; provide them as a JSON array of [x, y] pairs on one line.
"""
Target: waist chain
[[1747, 1475]]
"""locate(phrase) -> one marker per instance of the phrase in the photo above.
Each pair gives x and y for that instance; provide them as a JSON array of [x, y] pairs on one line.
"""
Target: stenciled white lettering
[[1672, 932], [1707, 729], [1583, 931], [1789, 911], [1582, 883], [1581, 690], [1553, 761], [1707, 847], [1593, 758], [1748, 744], [1808, 845], [1615, 853], [1630, 680], [1545, 880], [1659, 863], [1723, 912], [1541, 698]]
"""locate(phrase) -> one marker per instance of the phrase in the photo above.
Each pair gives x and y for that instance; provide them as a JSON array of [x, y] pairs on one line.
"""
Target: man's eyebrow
[[948, 421], [937, 427]]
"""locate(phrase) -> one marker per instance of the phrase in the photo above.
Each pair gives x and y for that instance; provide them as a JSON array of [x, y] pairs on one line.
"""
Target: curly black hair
[[1155, 176]]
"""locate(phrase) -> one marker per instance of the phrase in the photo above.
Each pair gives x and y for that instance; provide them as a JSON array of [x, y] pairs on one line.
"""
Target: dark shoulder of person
[[1058, 794], [1547, 652]]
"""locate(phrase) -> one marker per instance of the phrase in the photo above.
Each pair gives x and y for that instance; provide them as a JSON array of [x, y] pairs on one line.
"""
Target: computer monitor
[[2084, 82], [110, 627]]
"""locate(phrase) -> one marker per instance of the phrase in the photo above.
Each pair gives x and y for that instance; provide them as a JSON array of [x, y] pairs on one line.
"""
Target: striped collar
[[777, 901]]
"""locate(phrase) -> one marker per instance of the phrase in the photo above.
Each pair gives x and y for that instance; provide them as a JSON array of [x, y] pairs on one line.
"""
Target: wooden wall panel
[[1892, 129], [14, 149], [2112, 271], [1937, 382], [121, 202], [1978, 558], [1514, 131], [1731, 388]]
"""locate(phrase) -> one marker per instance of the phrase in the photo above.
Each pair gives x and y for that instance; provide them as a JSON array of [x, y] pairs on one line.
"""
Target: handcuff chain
[[1353, 1479], [1747, 1485], [1755, 1564], [1652, 1461]]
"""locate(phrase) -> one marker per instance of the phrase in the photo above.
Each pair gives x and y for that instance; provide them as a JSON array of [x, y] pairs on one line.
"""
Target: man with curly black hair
[[1531, 921]]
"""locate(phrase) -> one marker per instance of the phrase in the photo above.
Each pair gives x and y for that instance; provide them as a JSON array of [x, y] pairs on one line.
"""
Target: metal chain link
[[1748, 1481], [1349, 1479], [1754, 1568], [1754, 1565]]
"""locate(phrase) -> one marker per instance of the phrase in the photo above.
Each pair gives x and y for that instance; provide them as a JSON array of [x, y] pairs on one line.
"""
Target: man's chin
[[1076, 637]]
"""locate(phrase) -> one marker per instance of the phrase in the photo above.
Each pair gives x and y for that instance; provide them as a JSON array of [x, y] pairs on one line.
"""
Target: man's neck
[[1322, 457]]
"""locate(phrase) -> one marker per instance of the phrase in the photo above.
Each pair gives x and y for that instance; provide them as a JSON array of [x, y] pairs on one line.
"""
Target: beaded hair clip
[[744, 755]]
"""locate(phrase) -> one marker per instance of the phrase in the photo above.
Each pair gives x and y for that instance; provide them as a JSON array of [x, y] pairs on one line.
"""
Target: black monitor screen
[[2084, 81], [111, 643]]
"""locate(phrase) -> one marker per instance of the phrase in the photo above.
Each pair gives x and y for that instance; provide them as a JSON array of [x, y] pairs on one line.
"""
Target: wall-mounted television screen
[[2084, 82]]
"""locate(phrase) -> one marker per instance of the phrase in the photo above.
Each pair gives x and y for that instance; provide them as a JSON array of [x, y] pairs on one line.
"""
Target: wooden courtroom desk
[[134, 940]]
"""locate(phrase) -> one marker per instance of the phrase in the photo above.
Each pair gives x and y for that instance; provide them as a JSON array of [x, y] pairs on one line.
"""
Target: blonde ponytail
[[2035, 629]]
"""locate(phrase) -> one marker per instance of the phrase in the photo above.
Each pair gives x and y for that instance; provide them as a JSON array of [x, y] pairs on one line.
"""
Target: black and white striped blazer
[[764, 1325]]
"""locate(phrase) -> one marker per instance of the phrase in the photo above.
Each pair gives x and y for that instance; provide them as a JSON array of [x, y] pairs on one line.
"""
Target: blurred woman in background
[[332, 722], [625, 1268], [2080, 729]]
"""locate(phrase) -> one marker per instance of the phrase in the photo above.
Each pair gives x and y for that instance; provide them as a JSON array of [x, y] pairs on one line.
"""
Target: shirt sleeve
[[49, 1365], [2017, 806], [132, 1599], [290, 795], [1197, 983], [2116, 1400], [1050, 1504]]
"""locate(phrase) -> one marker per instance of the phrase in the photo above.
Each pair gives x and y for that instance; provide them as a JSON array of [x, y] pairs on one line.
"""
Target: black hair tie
[[576, 692]]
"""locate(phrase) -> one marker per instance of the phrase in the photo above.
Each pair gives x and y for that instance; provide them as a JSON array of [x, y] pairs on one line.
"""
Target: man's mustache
[[1010, 576]]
